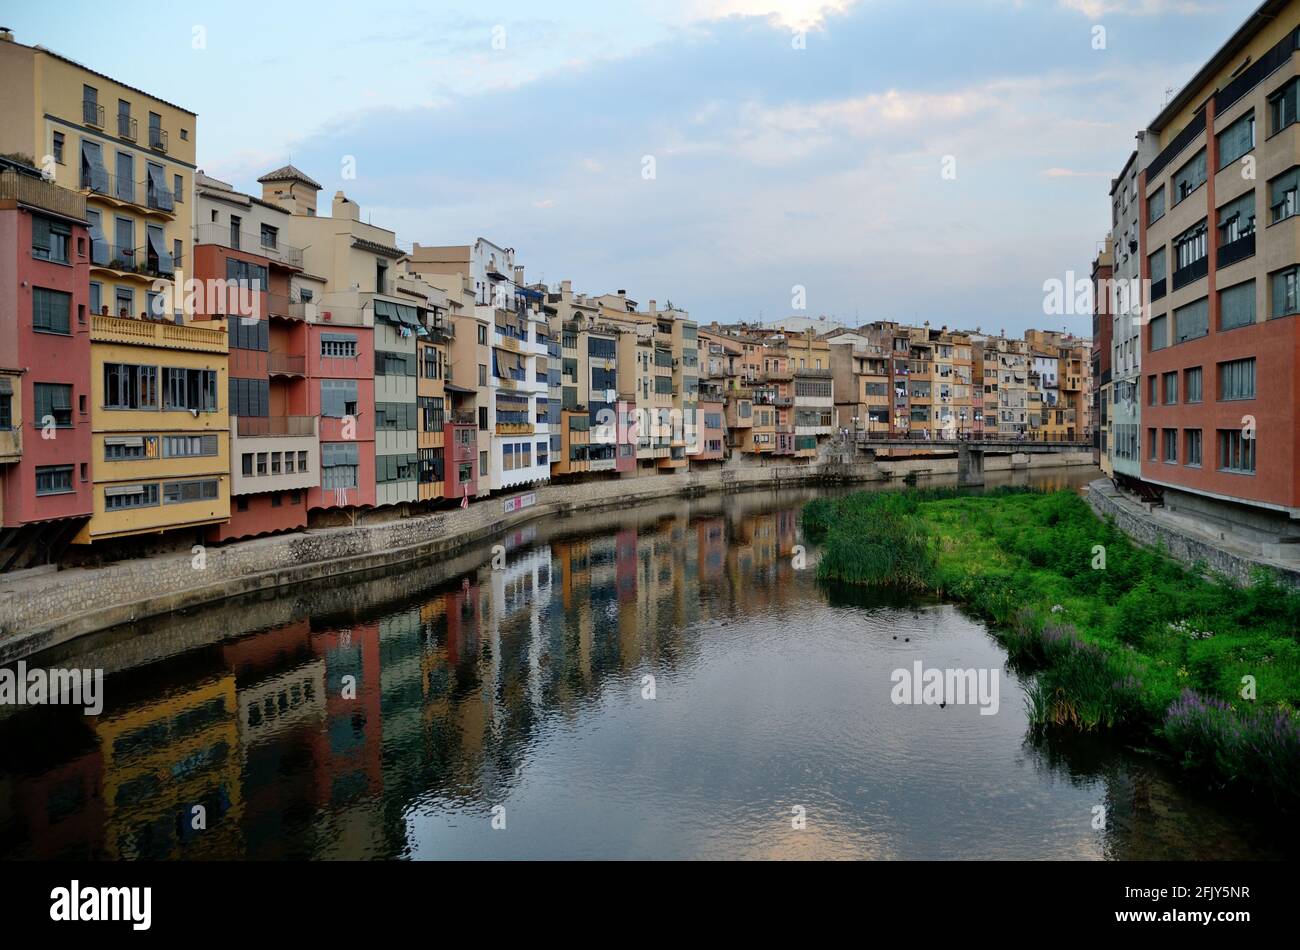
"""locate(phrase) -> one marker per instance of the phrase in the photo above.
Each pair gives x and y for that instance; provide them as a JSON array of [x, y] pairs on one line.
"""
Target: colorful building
[[45, 410]]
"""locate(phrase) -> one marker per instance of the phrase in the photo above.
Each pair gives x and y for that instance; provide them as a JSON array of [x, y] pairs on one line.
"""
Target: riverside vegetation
[[1119, 636]]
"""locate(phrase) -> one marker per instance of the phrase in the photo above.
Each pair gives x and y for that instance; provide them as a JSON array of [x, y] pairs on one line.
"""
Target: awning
[[397, 314]]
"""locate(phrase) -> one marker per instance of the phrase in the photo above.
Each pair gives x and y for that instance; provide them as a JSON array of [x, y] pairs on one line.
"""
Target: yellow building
[[130, 153], [160, 427]]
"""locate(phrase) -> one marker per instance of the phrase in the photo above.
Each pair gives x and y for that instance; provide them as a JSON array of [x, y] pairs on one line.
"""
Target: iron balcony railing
[[143, 193], [157, 138], [276, 250], [1158, 289], [1237, 250], [1193, 271], [132, 260], [127, 127], [92, 113]]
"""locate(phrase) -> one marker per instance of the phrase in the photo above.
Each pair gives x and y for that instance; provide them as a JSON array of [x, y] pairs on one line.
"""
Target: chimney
[[6, 34], [622, 292], [653, 308], [345, 208], [566, 287], [519, 276]]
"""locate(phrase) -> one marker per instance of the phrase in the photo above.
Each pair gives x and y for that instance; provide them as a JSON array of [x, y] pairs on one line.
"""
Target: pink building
[[341, 391], [45, 426]]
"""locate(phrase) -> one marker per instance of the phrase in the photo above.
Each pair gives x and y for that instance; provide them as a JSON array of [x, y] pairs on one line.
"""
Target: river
[[667, 681]]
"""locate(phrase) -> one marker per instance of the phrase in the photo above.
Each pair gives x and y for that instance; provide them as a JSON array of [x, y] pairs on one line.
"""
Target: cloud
[[1146, 8], [790, 14]]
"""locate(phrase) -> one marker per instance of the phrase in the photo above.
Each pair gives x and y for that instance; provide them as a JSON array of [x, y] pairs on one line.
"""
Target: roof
[[1262, 17], [290, 173]]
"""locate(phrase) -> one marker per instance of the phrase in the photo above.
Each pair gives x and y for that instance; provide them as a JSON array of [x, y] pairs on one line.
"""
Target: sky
[[911, 160]]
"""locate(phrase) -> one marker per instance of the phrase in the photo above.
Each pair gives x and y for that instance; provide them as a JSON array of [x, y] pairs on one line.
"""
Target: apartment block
[[1221, 235], [160, 428], [245, 270], [130, 153], [45, 414]]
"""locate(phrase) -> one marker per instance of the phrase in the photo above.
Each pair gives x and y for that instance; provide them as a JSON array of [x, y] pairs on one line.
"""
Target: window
[[1156, 205], [1171, 445], [1190, 177], [543, 457], [1237, 219], [53, 479], [191, 389], [130, 496], [338, 345], [246, 273], [58, 147], [179, 493], [1236, 452], [1192, 385], [431, 411], [1171, 388], [1236, 140], [1159, 333], [270, 236], [381, 277], [397, 416], [126, 448], [127, 386], [338, 398], [275, 463], [394, 364], [431, 362], [124, 301], [246, 464], [396, 468], [96, 296], [189, 446], [1286, 299], [1237, 306], [6, 412], [1282, 107], [431, 466], [1282, 202], [302, 460], [1237, 379], [50, 239], [1190, 247], [1192, 447], [1192, 321], [261, 463], [1157, 265], [249, 398], [51, 311], [1151, 444], [178, 190], [53, 402]]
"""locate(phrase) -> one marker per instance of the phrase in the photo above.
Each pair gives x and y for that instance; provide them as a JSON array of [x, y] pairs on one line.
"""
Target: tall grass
[[1118, 635]]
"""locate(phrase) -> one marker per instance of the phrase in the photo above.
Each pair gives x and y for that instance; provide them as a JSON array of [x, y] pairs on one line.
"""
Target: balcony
[[1192, 272], [127, 127], [35, 192], [92, 113], [276, 251], [157, 138], [285, 364], [142, 194], [1237, 250], [1158, 289], [138, 261], [168, 336], [269, 427], [462, 418]]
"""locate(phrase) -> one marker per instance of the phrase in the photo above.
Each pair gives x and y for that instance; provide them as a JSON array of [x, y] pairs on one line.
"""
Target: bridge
[[971, 449]]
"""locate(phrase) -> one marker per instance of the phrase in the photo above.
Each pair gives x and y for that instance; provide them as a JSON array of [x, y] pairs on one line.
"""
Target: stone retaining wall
[[1131, 518]]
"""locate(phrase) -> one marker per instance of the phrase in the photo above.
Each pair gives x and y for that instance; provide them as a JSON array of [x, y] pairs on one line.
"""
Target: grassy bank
[[1121, 636]]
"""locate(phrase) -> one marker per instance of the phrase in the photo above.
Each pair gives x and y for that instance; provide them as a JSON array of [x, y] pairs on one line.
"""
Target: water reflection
[[398, 715]]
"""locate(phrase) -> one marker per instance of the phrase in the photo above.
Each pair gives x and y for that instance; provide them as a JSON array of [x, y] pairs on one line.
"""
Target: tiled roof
[[289, 173]]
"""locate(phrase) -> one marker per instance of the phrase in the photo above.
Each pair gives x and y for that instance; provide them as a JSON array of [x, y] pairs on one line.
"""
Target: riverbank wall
[[1186, 542], [48, 609]]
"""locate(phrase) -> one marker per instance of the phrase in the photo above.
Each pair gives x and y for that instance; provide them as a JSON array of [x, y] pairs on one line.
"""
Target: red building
[[1102, 271], [45, 431], [246, 274]]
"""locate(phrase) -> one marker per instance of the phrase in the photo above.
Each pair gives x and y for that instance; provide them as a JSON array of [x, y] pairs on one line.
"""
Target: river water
[[667, 681]]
